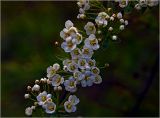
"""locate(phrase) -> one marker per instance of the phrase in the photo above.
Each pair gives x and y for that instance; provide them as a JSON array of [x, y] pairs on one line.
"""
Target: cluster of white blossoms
[[83, 6], [82, 67], [103, 19], [145, 3]]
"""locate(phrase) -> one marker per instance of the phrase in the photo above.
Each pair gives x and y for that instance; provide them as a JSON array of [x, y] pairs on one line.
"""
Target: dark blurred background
[[130, 84]]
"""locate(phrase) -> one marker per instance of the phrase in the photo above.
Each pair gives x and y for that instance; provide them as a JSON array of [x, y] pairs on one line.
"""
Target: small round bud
[[29, 88], [26, 96], [114, 15], [37, 81], [114, 37], [35, 103], [126, 22], [42, 80], [121, 27], [45, 80], [56, 43], [33, 107], [36, 87], [121, 20], [28, 111], [59, 88], [99, 32], [55, 88], [110, 29], [109, 9], [112, 18], [99, 39], [119, 15]]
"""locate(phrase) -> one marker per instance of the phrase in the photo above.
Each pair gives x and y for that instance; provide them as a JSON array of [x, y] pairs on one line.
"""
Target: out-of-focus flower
[[119, 15], [70, 84], [57, 80], [42, 97], [123, 3], [28, 111], [92, 42], [110, 28], [36, 87], [101, 19], [121, 27], [26, 96], [90, 28], [114, 37]]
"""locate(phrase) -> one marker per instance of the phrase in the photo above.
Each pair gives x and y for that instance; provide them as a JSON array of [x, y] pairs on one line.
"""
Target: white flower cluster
[[81, 65], [103, 19], [145, 3], [83, 6]]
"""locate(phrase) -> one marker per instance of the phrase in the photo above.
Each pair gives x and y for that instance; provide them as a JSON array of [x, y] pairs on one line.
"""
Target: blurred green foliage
[[29, 30]]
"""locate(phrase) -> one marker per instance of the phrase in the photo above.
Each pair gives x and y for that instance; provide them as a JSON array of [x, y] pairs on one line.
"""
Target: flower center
[[51, 108], [93, 42], [44, 98]]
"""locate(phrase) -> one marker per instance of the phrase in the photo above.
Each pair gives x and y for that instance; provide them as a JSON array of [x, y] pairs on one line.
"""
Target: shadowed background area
[[130, 84]]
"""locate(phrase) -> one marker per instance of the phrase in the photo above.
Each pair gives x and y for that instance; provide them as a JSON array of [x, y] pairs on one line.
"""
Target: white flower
[[81, 16], [28, 111], [92, 42], [112, 18], [95, 70], [66, 62], [69, 45], [123, 3], [101, 19], [91, 62], [69, 107], [97, 79], [78, 76], [36, 87], [26, 96], [72, 67], [73, 99], [143, 3], [57, 80], [56, 66], [51, 70], [68, 24], [70, 84], [87, 52], [114, 37], [121, 27], [90, 28], [82, 63], [88, 79], [121, 20], [50, 107], [42, 97], [78, 38], [119, 15], [76, 53]]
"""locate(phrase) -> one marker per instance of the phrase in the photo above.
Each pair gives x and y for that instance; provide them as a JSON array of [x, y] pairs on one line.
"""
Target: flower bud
[[114, 37], [36, 87], [121, 20], [48, 81], [36, 81], [29, 88], [119, 15], [26, 96], [110, 29], [59, 88], [121, 27]]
